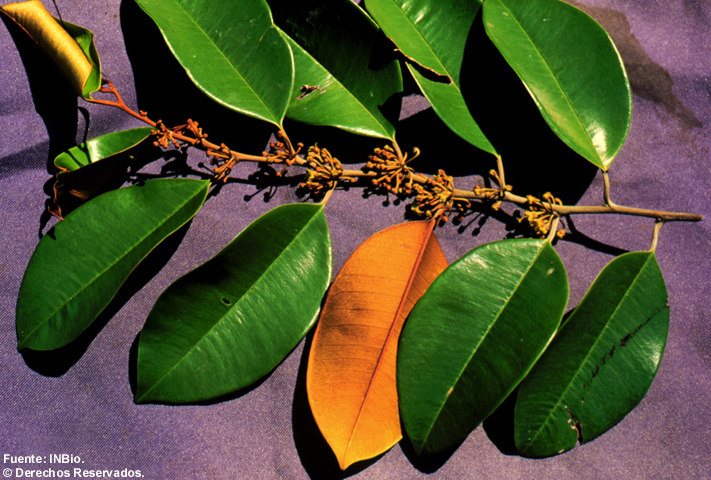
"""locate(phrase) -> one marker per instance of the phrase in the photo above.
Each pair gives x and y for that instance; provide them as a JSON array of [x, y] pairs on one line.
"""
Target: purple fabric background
[[49, 405]]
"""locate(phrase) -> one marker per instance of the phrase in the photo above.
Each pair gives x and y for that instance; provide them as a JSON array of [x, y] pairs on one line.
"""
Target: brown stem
[[500, 168], [560, 209], [201, 143], [554, 229], [608, 208], [606, 192], [288, 143], [655, 234], [602, 209], [108, 87], [398, 152]]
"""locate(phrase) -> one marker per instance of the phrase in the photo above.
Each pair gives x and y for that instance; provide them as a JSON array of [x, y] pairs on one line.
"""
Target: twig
[[231, 157]]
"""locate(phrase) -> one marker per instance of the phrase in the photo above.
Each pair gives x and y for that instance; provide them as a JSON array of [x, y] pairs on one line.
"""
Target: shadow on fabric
[[54, 99]]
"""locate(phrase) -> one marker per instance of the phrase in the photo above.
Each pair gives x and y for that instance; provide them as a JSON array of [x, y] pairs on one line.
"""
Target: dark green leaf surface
[[601, 363], [85, 39], [447, 101], [229, 322], [231, 50], [433, 33], [336, 48], [100, 148], [473, 337], [430, 32], [572, 70], [81, 263]]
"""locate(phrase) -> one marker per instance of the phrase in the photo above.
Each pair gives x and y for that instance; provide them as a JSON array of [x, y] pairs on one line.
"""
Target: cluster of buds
[[194, 128], [435, 198], [541, 215], [282, 151], [323, 171], [165, 135], [393, 174], [223, 160], [494, 195]]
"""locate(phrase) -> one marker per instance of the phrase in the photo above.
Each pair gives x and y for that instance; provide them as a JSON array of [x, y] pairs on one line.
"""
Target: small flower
[[323, 171], [393, 174], [541, 214], [435, 198]]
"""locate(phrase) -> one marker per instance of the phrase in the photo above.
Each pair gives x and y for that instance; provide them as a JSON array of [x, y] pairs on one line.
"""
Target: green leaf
[[85, 39], [232, 320], [83, 176], [430, 32], [474, 336], [601, 363], [82, 262], [447, 101], [100, 148], [433, 33], [572, 70], [336, 49], [231, 50]]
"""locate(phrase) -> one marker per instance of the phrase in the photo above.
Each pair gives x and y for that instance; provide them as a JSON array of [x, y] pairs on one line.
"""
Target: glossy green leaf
[[85, 39], [231, 50], [474, 336], [83, 176], [100, 148], [81, 263], [343, 75], [447, 101], [572, 70], [601, 363], [433, 33], [232, 320]]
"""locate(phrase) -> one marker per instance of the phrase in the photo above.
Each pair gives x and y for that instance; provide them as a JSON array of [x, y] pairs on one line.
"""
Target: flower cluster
[[541, 214], [323, 171], [164, 135], [223, 160], [393, 174], [435, 198], [282, 150]]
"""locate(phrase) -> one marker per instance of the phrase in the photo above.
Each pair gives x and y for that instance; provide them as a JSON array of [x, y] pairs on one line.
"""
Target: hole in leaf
[[226, 301]]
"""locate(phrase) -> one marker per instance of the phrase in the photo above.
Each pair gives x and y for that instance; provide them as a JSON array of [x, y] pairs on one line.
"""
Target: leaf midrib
[[246, 293], [112, 265], [274, 116], [346, 89], [575, 376], [454, 128], [483, 337], [389, 337], [555, 80], [425, 41]]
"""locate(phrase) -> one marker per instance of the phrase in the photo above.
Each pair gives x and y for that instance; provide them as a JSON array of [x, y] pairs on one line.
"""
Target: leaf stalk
[[390, 170]]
